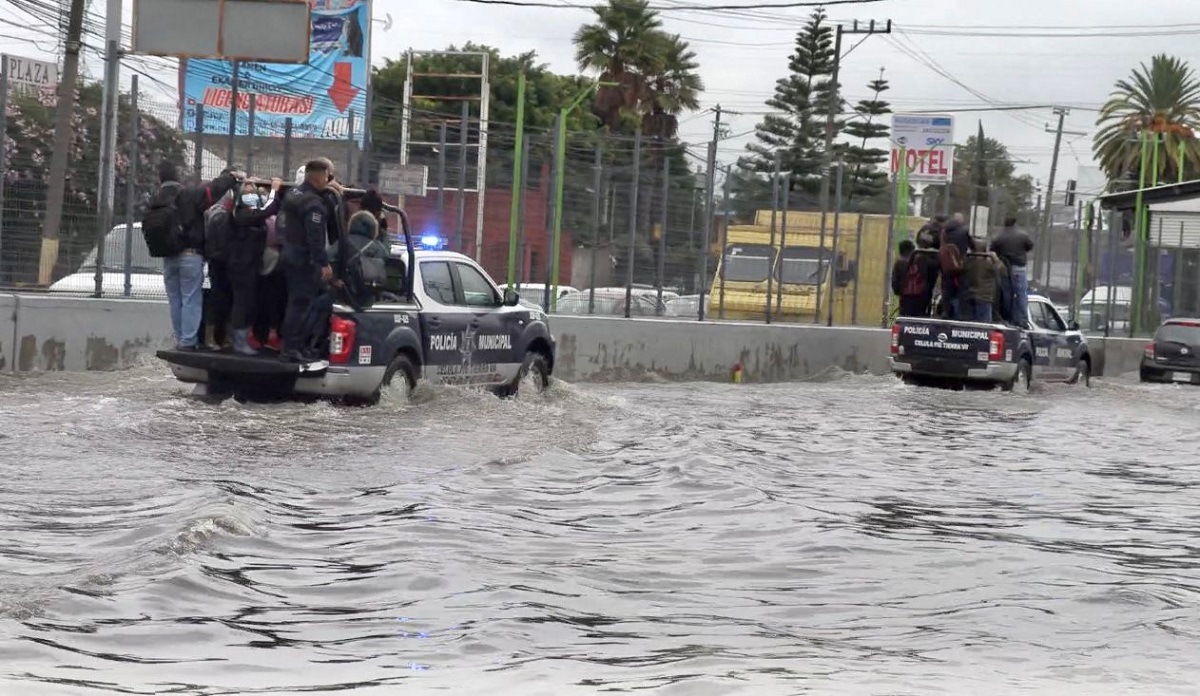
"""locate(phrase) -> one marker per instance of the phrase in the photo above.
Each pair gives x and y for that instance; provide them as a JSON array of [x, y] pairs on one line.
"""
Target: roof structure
[[1165, 193]]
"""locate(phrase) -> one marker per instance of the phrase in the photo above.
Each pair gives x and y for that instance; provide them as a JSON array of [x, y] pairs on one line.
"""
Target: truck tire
[[401, 367], [534, 366], [1083, 373], [1023, 380]]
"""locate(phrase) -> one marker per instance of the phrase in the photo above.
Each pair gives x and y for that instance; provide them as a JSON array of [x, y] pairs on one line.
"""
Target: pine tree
[[864, 178], [801, 102]]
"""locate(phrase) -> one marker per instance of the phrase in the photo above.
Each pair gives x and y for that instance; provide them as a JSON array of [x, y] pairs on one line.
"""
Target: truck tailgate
[[943, 347]]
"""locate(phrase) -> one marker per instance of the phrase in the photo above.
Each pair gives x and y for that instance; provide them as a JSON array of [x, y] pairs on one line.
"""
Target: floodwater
[[846, 536]]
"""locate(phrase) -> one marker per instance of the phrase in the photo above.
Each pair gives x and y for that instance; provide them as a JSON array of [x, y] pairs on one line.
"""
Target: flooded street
[[849, 536]]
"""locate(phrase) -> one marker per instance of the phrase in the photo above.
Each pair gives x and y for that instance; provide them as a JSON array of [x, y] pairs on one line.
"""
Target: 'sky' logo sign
[[934, 142]]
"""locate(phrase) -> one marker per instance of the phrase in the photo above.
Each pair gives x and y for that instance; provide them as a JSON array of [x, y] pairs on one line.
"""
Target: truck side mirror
[[511, 298], [1073, 325]]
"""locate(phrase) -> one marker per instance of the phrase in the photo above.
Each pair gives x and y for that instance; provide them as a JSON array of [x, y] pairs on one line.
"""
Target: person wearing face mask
[[247, 243]]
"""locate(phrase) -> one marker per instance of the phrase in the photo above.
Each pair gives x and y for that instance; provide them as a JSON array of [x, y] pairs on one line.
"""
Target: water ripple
[[847, 535]]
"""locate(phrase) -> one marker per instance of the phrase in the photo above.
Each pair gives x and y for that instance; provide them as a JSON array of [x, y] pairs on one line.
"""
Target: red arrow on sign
[[342, 92]]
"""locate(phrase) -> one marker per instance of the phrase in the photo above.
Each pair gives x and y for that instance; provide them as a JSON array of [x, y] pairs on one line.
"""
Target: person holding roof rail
[[1013, 245], [303, 224]]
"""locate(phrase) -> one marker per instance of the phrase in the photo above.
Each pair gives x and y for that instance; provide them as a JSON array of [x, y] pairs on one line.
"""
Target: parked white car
[[146, 272]]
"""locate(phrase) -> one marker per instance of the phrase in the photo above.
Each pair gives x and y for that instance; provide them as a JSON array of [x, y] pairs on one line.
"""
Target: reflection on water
[[848, 536]]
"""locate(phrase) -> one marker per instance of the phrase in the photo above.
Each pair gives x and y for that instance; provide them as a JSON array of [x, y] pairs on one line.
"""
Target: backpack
[[915, 282], [369, 271], [218, 229], [162, 225], [950, 257]]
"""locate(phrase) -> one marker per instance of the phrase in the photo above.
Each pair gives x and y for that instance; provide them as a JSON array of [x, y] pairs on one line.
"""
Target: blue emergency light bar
[[432, 241]]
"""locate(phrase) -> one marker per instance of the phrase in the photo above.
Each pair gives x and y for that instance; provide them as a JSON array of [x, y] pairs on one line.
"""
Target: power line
[[680, 8], [1054, 34]]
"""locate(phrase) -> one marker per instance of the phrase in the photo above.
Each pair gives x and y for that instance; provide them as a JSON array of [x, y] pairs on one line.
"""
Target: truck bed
[[960, 350]]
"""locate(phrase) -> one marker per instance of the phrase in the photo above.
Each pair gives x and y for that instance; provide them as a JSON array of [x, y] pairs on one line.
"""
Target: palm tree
[[655, 80], [619, 45], [1163, 99], [674, 86]]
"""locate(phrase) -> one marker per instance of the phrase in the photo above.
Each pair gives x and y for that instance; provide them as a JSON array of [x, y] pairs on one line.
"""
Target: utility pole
[[108, 131], [62, 143], [1046, 224], [709, 175], [834, 105]]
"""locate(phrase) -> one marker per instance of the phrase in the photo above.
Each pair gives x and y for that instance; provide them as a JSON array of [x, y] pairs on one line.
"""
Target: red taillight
[[341, 339], [996, 346], [895, 339], [1150, 350]]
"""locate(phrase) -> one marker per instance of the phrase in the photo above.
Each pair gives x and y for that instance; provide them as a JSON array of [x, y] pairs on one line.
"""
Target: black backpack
[[162, 225], [218, 229]]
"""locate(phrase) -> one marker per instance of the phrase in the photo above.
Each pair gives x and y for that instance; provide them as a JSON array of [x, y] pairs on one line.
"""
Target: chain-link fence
[[635, 230]]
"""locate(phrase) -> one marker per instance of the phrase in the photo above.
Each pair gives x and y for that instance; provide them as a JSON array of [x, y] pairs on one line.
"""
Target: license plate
[[1181, 376]]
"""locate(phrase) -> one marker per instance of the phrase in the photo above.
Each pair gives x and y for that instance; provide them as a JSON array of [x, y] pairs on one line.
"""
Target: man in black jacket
[[304, 224], [183, 273], [1013, 246]]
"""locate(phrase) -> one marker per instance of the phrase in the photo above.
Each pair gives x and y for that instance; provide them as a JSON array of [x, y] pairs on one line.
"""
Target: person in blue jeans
[[1013, 246], [183, 273]]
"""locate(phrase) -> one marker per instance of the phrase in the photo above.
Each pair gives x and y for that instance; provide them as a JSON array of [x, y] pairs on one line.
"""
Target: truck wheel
[[534, 367], [1023, 379], [1083, 374], [400, 368]]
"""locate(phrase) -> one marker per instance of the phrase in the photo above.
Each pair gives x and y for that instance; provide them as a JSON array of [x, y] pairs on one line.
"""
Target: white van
[[1105, 304], [146, 272]]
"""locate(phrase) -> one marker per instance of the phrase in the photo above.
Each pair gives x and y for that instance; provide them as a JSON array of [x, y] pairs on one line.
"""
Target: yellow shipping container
[[799, 271]]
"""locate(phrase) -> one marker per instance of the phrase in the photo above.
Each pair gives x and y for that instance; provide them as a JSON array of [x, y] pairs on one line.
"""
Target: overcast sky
[[741, 54]]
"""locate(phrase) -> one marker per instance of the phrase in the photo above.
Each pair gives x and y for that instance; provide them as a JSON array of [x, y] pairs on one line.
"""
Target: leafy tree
[[801, 103], [1163, 98], [1011, 193], [28, 144], [865, 181]]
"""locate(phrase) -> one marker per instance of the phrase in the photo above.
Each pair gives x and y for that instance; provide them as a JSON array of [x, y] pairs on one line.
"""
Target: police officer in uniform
[[304, 219]]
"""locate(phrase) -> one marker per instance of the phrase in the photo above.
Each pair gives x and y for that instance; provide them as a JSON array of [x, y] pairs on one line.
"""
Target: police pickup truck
[[928, 350], [446, 322]]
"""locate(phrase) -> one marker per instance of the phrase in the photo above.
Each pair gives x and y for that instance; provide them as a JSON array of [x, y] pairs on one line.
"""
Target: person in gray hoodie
[[360, 260], [1013, 245]]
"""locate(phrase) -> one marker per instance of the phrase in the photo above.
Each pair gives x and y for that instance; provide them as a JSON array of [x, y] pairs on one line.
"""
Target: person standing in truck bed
[[1013, 246], [916, 281], [978, 284], [952, 255]]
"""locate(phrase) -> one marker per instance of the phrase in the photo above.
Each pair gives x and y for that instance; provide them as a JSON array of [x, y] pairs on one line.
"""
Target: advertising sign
[[319, 96], [28, 76], [404, 179], [928, 140]]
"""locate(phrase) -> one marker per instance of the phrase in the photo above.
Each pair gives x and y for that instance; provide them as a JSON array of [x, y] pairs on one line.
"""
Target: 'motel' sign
[[928, 145]]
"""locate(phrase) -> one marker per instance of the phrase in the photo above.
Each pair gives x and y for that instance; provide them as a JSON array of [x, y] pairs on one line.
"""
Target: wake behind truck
[[933, 351]]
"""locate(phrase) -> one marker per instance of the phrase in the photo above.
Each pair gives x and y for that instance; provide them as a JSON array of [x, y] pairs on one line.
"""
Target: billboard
[[928, 142], [318, 96]]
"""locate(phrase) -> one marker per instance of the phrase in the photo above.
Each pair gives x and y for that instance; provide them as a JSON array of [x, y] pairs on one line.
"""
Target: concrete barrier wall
[[8, 326], [1122, 356], [77, 334], [616, 349], [39, 332]]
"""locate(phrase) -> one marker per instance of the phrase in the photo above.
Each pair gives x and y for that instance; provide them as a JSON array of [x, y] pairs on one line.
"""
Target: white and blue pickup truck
[[928, 350], [445, 321]]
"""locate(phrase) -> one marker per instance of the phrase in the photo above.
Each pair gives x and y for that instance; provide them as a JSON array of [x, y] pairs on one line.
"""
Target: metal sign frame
[[167, 46]]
